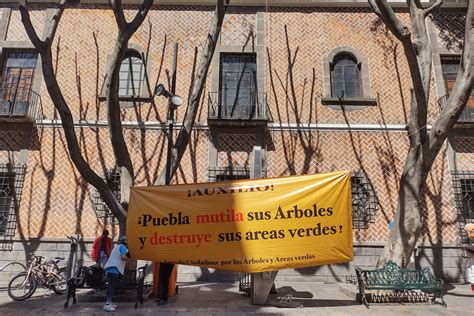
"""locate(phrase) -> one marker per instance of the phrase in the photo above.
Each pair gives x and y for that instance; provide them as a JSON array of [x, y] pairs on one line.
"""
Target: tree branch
[[116, 6], [427, 11], [61, 106], [461, 91], [29, 28], [58, 12], [111, 83], [393, 23], [141, 14]]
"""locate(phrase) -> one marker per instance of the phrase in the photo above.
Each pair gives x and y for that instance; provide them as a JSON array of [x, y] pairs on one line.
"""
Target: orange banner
[[246, 225]]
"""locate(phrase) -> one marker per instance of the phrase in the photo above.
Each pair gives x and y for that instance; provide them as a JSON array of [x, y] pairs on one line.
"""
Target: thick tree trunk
[[407, 226], [424, 145]]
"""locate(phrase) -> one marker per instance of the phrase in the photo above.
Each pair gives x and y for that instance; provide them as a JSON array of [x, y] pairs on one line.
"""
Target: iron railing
[[20, 103], [112, 178], [253, 107], [12, 178], [463, 189], [467, 116], [364, 201]]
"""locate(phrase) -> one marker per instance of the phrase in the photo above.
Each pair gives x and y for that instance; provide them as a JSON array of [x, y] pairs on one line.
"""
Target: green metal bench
[[400, 281]]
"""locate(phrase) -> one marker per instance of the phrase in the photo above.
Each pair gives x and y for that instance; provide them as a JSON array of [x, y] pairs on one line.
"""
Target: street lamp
[[174, 101]]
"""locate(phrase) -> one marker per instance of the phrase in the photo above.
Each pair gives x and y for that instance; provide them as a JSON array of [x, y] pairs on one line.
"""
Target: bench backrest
[[392, 274]]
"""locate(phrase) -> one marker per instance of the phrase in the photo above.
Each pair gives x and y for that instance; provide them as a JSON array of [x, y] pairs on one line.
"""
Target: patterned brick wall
[[55, 194], [381, 156], [10, 145], [16, 31], [239, 27], [312, 33], [464, 151], [234, 150]]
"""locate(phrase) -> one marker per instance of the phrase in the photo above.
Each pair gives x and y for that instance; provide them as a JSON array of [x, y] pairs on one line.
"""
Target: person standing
[[101, 248], [115, 268], [469, 228], [164, 282]]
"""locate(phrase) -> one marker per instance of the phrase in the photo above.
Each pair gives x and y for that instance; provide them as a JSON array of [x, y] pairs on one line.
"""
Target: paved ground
[[224, 299]]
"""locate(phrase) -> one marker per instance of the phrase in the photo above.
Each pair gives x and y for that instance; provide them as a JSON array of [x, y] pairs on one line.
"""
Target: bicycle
[[13, 263], [46, 274]]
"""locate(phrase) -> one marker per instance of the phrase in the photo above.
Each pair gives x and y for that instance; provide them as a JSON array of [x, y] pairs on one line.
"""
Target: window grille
[[345, 77], [463, 187], [228, 173], [11, 186], [112, 178], [364, 201], [238, 86], [217, 174], [132, 74]]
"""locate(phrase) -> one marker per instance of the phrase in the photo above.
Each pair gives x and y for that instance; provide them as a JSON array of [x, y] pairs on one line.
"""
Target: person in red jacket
[[101, 248]]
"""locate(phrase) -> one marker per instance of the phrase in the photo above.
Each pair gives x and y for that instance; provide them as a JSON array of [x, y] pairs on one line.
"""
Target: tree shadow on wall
[[299, 108]]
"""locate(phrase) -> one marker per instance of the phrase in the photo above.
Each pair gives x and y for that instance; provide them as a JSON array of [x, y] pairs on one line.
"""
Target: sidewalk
[[224, 299]]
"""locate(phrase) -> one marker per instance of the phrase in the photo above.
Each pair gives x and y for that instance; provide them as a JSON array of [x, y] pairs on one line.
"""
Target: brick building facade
[[320, 86]]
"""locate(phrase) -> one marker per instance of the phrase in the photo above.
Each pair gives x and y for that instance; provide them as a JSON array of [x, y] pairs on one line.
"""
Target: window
[[449, 67], [6, 198], [132, 75], [346, 80], [112, 178], [228, 173], [463, 187], [364, 201], [17, 80], [238, 86], [345, 77], [11, 185]]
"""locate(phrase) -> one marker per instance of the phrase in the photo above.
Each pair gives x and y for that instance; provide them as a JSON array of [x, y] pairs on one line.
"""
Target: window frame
[[453, 60], [145, 94], [338, 62], [458, 177], [245, 111], [347, 103], [15, 178]]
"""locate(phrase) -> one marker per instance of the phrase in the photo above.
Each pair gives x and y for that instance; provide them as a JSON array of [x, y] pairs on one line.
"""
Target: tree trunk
[[424, 145], [407, 226]]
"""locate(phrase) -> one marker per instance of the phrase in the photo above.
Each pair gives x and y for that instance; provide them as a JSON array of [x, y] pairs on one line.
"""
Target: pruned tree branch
[[383, 9], [58, 12], [416, 126], [461, 91], [140, 17], [427, 11], [116, 6], [30, 30]]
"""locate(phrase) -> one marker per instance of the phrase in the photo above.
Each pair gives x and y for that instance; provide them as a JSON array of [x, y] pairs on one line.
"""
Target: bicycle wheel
[[20, 287], [59, 284]]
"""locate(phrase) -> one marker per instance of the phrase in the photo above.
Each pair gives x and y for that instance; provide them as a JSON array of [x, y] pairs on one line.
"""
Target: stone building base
[[447, 262]]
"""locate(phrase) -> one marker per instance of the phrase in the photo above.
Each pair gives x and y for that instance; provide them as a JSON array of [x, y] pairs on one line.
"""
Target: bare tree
[[111, 84], [424, 144]]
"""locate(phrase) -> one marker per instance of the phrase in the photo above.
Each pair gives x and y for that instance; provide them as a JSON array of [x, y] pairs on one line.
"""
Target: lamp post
[[174, 102]]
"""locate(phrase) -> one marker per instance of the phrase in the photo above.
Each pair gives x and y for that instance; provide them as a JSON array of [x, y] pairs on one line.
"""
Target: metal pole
[[171, 117]]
